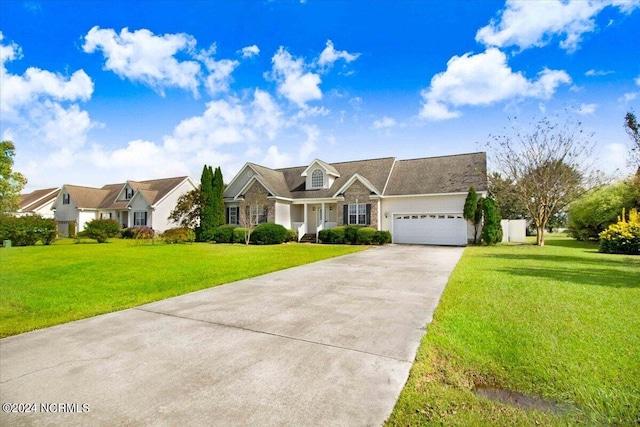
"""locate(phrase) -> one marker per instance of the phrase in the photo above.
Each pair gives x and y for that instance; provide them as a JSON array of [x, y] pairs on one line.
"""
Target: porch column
[[323, 214], [306, 217]]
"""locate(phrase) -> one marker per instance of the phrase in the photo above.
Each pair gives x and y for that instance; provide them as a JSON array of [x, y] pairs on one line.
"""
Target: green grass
[[560, 322], [42, 286]]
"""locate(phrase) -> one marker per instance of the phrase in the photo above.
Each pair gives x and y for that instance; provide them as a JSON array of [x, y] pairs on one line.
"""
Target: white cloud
[[293, 82], [535, 23], [483, 79], [275, 159], [142, 56], [310, 146], [250, 51], [629, 96], [585, 109], [597, 73], [385, 122], [266, 116], [329, 55]]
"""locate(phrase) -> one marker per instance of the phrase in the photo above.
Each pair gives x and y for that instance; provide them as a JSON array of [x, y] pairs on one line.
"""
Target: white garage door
[[430, 229]]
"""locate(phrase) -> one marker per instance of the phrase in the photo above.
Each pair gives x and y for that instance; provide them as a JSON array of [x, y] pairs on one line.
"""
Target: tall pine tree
[[207, 215], [218, 197]]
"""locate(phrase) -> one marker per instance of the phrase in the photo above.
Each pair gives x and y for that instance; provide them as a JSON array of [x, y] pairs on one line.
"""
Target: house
[[132, 204], [419, 201], [38, 202]]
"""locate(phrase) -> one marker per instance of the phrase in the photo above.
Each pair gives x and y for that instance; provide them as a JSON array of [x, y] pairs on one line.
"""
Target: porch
[[313, 217]]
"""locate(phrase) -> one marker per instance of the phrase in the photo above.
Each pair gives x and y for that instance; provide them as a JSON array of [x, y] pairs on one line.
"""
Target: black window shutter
[[226, 221], [345, 214], [237, 208], [368, 217]]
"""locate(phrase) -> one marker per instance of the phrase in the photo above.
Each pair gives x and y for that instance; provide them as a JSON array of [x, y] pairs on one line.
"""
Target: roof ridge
[[337, 163], [447, 155]]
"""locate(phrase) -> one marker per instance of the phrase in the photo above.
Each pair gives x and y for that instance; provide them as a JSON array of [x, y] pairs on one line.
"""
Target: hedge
[[365, 235], [27, 230], [269, 234], [179, 235], [100, 230], [224, 233]]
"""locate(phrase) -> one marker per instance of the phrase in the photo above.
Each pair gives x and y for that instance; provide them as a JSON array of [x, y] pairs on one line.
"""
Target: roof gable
[[317, 163], [37, 198], [354, 178]]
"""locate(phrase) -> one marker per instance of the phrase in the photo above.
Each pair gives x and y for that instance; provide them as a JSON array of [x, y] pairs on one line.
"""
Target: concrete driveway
[[329, 343]]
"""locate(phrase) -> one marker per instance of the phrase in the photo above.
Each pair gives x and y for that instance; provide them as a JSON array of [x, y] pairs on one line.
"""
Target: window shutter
[[226, 211], [345, 214], [145, 218], [368, 217], [237, 208]]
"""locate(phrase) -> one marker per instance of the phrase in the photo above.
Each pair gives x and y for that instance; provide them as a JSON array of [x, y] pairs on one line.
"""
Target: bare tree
[[251, 212], [547, 162]]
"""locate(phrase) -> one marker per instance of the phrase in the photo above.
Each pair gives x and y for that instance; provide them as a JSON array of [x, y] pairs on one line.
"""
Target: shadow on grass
[[610, 277], [571, 243]]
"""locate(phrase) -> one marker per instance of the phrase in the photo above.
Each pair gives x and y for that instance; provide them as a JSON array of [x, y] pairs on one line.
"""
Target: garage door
[[430, 229]]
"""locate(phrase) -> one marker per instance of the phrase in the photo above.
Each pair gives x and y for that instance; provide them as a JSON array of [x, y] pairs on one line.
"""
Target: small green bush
[[71, 230], [100, 230], [365, 236], [145, 233], [292, 236], [179, 235], [128, 233], [323, 236], [223, 233], [269, 234], [336, 235], [351, 234], [239, 235], [622, 237], [27, 230], [382, 237]]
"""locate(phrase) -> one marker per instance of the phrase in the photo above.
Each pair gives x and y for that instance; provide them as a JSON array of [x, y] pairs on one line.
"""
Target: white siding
[[240, 181], [160, 222], [65, 212], [283, 214], [84, 217], [139, 204]]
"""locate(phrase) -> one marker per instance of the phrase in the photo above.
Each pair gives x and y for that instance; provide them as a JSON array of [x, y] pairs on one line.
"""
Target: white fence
[[514, 230]]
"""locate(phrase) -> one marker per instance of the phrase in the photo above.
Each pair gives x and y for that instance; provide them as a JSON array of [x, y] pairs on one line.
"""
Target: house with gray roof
[[38, 202], [419, 201], [132, 203]]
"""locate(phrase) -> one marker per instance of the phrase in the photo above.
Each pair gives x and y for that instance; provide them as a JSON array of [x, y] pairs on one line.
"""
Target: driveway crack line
[[273, 334]]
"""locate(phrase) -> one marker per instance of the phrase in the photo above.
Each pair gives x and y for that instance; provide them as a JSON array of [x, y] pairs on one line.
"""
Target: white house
[[132, 204], [38, 202], [419, 201]]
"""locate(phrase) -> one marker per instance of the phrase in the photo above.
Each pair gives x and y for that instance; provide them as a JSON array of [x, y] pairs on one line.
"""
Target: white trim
[[389, 176], [286, 199], [318, 200], [134, 196], [174, 189], [323, 165], [429, 195], [248, 185], [237, 176], [36, 201], [351, 180]]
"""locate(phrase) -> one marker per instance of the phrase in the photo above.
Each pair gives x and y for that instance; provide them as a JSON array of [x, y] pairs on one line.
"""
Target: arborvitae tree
[[492, 230], [207, 218], [477, 219], [218, 197], [470, 205]]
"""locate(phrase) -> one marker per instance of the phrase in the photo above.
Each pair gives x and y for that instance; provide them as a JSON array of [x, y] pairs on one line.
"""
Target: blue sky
[[99, 92]]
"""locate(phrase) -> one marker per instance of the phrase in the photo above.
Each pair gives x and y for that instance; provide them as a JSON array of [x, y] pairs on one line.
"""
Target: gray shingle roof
[[37, 198], [433, 175], [105, 197]]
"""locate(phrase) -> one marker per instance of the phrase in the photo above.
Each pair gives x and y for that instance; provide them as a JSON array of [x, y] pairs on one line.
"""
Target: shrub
[[351, 233], [71, 230], [382, 237], [27, 230], [622, 237], [365, 235], [179, 235], [239, 235], [323, 236], [336, 235], [292, 236], [100, 229], [269, 234], [145, 233], [223, 233], [492, 230], [128, 233]]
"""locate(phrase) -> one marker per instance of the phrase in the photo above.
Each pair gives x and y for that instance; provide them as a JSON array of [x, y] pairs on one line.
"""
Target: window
[[66, 199], [257, 214], [128, 193], [232, 215], [139, 219], [358, 214], [317, 179], [105, 215]]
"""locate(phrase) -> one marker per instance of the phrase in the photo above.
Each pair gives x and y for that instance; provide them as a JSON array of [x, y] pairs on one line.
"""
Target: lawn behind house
[[42, 286], [560, 323]]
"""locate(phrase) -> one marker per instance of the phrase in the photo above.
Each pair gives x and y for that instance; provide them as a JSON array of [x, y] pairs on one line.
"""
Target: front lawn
[[559, 323], [47, 285]]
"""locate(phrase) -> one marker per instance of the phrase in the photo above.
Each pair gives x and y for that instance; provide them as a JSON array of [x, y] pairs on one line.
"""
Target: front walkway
[[329, 343]]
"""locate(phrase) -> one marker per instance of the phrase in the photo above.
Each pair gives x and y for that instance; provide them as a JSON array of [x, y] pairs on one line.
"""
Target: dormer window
[[128, 193], [66, 199], [317, 179]]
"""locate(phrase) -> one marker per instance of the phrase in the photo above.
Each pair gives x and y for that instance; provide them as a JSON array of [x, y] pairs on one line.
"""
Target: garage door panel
[[430, 230]]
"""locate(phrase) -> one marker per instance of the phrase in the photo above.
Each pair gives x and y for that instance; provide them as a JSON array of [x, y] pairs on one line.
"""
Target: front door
[[124, 219]]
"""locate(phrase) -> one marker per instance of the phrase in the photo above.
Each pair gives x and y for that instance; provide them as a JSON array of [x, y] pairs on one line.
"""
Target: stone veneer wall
[[358, 193], [257, 195]]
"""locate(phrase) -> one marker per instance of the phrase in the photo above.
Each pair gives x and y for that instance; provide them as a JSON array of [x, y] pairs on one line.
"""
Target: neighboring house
[[38, 202], [132, 204], [419, 201]]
